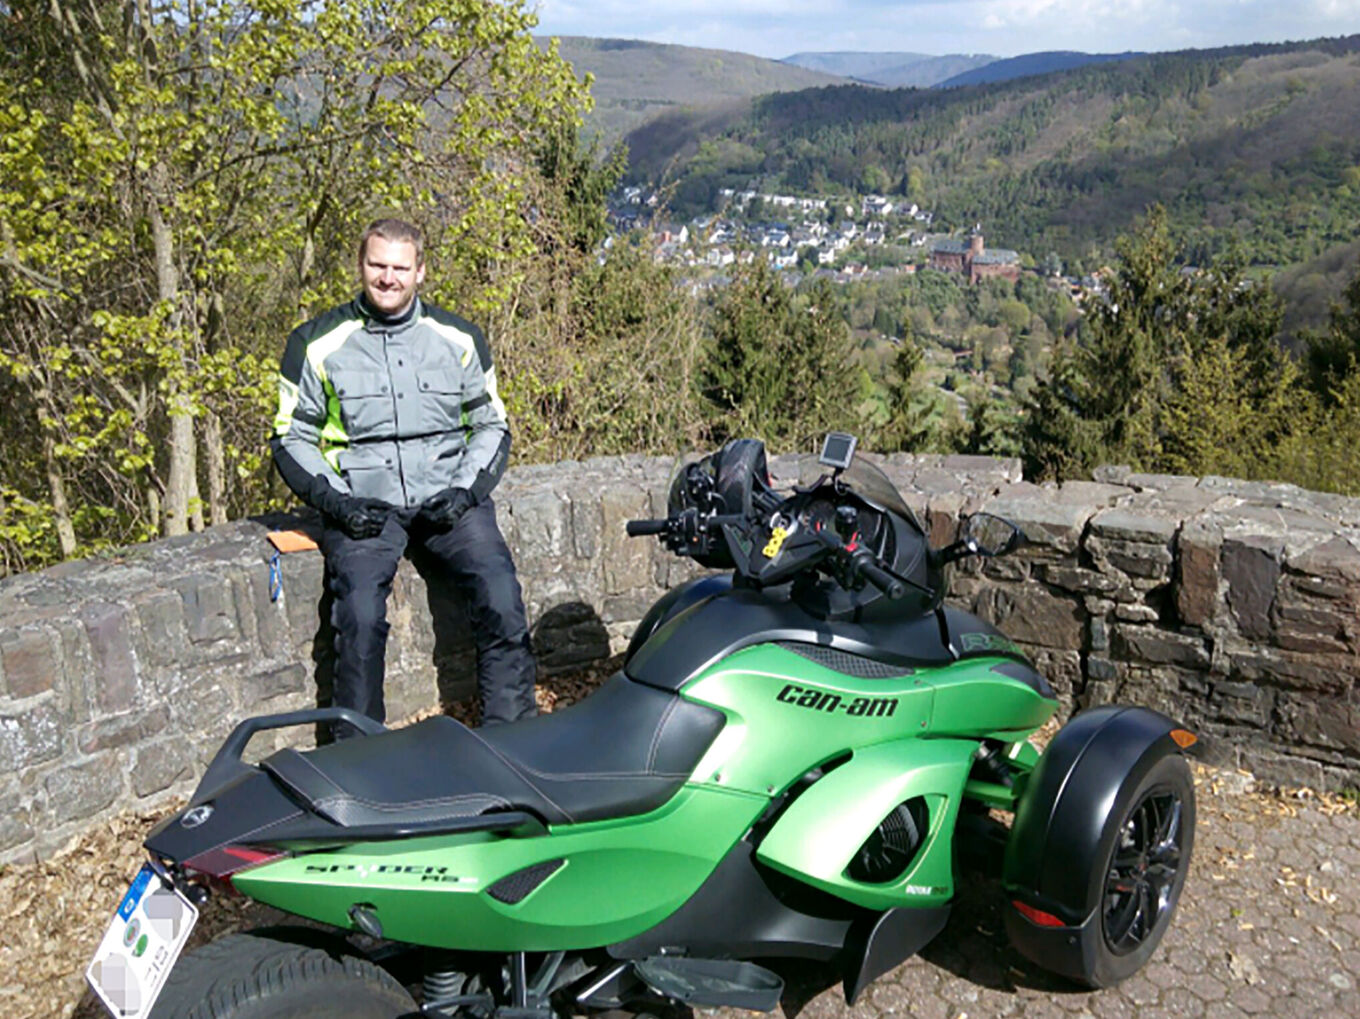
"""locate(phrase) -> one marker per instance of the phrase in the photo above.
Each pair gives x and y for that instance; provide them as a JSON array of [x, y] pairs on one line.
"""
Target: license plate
[[141, 945]]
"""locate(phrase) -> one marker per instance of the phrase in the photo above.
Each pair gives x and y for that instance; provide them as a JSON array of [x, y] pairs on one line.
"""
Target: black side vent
[[514, 888], [890, 850], [844, 662]]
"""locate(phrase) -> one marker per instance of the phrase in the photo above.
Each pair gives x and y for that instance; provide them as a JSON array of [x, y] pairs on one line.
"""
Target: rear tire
[[284, 973]]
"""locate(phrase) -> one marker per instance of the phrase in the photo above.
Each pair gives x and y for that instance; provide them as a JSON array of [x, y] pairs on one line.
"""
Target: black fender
[[1070, 797], [674, 601], [1083, 779]]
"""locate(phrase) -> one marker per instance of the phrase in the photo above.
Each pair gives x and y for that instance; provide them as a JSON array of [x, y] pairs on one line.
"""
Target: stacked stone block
[[1229, 605]]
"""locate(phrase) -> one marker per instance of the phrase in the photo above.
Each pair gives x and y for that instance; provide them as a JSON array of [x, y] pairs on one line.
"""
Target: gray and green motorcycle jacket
[[395, 409]]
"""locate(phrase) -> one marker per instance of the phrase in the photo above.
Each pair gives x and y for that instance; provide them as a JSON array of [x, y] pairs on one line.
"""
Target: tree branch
[[10, 262]]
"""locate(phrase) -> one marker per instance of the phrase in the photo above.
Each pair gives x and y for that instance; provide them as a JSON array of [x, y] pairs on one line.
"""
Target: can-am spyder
[[784, 768]]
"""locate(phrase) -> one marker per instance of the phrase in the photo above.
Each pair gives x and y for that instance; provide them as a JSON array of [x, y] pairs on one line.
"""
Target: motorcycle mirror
[[990, 535], [984, 534]]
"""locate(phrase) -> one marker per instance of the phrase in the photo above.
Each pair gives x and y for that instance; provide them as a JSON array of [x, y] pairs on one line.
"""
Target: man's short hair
[[393, 231]]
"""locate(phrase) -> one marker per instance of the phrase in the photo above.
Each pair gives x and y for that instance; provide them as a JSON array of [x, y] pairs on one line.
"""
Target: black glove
[[357, 517], [444, 509]]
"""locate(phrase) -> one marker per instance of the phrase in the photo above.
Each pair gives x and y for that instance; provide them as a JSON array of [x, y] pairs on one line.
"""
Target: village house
[[971, 258], [876, 205], [671, 233]]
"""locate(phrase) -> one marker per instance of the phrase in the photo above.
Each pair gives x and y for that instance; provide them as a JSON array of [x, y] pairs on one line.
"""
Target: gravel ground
[[1269, 924]]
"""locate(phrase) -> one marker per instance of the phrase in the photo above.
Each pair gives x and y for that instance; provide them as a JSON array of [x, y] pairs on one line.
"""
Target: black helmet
[[721, 482], [725, 482]]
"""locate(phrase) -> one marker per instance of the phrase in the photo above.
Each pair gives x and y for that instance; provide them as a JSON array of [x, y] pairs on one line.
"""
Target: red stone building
[[973, 260]]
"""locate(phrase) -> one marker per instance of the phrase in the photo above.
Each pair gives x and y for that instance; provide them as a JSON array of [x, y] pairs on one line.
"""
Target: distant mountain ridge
[[636, 80], [1032, 63], [891, 70], [920, 70]]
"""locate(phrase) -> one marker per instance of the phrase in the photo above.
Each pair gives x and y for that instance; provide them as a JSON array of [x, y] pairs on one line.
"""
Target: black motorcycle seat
[[624, 750]]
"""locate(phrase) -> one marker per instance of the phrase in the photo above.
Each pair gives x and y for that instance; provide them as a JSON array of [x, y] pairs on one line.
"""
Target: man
[[390, 425]]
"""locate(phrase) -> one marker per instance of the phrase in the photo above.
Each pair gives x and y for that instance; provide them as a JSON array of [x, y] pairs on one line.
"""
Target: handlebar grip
[[723, 519], [882, 579], [637, 528]]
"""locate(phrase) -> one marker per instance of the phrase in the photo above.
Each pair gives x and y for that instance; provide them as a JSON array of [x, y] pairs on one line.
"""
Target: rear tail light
[[221, 863]]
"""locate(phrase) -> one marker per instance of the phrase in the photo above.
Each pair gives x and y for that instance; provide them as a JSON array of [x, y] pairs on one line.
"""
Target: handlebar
[[860, 559], [879, 577], [637, 528], [863, 561]]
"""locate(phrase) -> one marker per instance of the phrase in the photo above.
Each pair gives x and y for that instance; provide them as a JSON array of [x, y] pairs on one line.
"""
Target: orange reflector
[[1184, 738], [1037, 916]]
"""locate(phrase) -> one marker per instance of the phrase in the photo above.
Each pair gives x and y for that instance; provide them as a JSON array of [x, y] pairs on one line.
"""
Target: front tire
[[1145, 856], [285, 973], [1098, 917]]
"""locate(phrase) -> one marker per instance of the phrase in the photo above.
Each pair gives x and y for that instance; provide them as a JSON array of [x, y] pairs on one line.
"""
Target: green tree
[[780, 368], [874, 179], [598, 345], [1102, 397], [1223, 416], [1173, 364], [1323, 451], [911, 406], [182, 180], [1332, 355], [745, 371], [994, 427]]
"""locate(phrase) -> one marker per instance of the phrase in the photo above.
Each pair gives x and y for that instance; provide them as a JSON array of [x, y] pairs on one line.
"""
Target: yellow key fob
[[776, 542]]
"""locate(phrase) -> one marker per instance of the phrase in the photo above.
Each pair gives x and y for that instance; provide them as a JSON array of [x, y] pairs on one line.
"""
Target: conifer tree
[[911, 407], [1335, 354], [1177, 368], [780, 369]]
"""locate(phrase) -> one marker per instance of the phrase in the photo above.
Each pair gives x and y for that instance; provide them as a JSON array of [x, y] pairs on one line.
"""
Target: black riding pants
[[474, 556]]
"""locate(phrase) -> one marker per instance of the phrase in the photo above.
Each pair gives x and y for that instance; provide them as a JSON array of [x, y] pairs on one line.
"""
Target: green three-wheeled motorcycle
[[789, 765]]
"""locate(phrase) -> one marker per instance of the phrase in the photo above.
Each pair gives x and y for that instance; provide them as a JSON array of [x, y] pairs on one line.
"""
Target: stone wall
[[1231, 605]]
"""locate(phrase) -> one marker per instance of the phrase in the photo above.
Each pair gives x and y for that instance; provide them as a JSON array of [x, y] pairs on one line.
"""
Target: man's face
[[390, 274]]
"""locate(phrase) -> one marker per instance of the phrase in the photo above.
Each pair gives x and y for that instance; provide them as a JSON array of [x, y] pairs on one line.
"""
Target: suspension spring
[[444, 983]]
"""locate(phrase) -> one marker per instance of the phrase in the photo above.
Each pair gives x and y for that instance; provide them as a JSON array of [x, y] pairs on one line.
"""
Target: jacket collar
[[388, 323]]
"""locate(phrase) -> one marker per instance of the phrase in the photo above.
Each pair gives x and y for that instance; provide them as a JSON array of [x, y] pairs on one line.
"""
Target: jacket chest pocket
[[441, 400], [365, 404]]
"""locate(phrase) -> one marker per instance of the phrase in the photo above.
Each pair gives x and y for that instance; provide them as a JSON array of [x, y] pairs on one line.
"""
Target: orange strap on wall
[[291, 541]]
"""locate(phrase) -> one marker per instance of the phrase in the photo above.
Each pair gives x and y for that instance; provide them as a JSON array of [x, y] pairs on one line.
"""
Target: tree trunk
[[214, 455], [195, 498], [56, 487], [153, 501], [217, 467], [179, 481]]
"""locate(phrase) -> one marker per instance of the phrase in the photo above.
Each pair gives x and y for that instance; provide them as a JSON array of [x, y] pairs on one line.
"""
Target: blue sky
[[777, 28]]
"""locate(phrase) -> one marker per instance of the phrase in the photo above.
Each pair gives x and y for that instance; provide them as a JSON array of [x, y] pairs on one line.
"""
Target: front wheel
[[1099, 853], [279, 974], [1146, 856]]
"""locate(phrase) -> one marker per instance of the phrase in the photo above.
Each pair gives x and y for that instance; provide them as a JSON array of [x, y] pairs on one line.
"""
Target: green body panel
[[620, 877], [907, 735], [787, 714], [1023, 755], [972, 700], [991, 794], [819, 834]]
